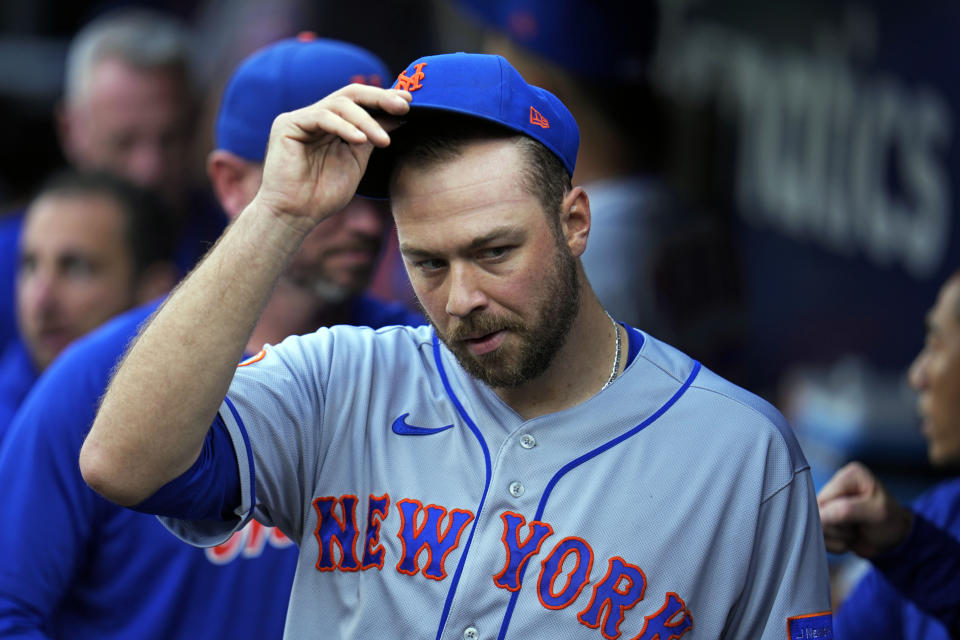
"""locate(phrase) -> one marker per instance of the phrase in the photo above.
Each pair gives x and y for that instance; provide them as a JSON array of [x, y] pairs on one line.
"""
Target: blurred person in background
[[326, 283], [82, 567], [912, 589], [92, 246], [128, 108]]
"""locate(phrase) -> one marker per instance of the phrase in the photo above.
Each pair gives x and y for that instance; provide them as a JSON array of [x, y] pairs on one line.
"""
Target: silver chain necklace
[[616, 359]]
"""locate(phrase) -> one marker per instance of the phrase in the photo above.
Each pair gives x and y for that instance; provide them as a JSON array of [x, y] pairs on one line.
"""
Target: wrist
[[272, 235], [899, 540]]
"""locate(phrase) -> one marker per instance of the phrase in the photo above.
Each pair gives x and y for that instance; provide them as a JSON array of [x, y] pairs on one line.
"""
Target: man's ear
[[575, 220], [156, 280], [230, 176]]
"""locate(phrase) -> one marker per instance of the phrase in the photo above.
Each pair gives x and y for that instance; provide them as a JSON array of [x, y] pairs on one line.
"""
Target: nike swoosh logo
[[401, 428]]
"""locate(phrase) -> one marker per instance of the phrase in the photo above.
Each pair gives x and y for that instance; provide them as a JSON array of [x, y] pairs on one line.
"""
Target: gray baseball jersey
[[671, 504]]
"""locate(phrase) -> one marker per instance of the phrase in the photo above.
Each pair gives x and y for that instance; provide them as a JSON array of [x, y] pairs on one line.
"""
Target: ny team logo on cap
[[411, 83]]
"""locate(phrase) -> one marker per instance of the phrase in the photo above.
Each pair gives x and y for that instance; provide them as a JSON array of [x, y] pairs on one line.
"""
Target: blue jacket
[[913, 591], [17, 375]]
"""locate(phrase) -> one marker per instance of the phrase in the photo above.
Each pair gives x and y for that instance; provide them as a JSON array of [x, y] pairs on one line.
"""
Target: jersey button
[[470, 633], [527, 441], [516, 489]]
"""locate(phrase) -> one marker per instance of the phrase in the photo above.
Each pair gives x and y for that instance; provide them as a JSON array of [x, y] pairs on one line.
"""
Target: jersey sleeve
[[789, 580], [273, 414], [208, 490]]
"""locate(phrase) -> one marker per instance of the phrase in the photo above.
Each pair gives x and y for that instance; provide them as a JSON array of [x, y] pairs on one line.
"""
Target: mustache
[[477, 325]]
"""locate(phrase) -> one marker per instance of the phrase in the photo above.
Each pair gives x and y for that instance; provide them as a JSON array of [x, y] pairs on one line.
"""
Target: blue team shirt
[[368, 311], [17, 375], [913, 591], [9, 256], [77, 566]]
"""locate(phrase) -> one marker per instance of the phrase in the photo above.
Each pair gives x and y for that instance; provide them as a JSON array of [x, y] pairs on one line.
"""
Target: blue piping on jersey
[[486, 483], [635, 342], [246, 444], [584, 458]]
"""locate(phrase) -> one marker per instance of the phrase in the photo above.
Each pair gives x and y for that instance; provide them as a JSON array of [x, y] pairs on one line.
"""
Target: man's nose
[[38, 292], [465, 294], [146, 165]]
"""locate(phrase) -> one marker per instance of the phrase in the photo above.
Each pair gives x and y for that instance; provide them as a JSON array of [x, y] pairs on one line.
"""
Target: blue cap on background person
[[284, 76], [596, 38], [481, 86]]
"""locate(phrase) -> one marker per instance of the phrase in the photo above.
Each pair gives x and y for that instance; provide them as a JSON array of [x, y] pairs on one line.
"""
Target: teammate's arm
[[163, 398], [918, 559]]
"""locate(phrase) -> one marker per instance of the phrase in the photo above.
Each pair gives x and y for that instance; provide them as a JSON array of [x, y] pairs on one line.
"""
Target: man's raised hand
[[317, 155]]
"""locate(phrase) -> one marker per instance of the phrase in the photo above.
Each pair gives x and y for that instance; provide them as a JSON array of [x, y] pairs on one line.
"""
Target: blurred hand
[[317, 155], [858, 514]]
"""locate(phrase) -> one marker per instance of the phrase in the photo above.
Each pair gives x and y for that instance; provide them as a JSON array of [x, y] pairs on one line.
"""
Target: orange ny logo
[[537, 118], [411, 83]]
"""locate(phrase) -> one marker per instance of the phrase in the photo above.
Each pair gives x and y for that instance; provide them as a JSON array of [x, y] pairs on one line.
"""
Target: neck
[[293, 310], [579, 369]]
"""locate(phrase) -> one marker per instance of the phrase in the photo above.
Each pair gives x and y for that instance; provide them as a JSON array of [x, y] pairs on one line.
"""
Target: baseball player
[[526, 467], [78, 566]]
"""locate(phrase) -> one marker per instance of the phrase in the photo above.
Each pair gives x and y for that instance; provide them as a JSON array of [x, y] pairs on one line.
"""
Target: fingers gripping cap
[[482, 86], [284, 76]]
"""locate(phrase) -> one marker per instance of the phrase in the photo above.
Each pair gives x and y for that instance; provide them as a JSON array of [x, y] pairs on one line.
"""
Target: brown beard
[[539, 341]]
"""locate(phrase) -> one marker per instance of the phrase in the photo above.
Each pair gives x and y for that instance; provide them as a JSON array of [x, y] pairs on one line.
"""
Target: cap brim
[[375, 183]]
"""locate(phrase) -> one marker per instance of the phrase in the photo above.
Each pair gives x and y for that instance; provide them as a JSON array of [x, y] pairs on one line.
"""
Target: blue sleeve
[[872, 610], [209, 490], [50, 516], [925, 569]]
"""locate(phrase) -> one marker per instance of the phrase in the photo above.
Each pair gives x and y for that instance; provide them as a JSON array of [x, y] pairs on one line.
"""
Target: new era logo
[[537, 118]]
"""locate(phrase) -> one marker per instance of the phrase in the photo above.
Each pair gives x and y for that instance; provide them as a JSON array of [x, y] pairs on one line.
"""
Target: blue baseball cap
[[604, 39], [284, 76], [485, 87]]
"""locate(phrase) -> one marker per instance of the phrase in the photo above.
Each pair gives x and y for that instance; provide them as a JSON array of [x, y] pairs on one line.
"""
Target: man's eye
[[78, 268], [492, 253], [27, 265], [432, 264]]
